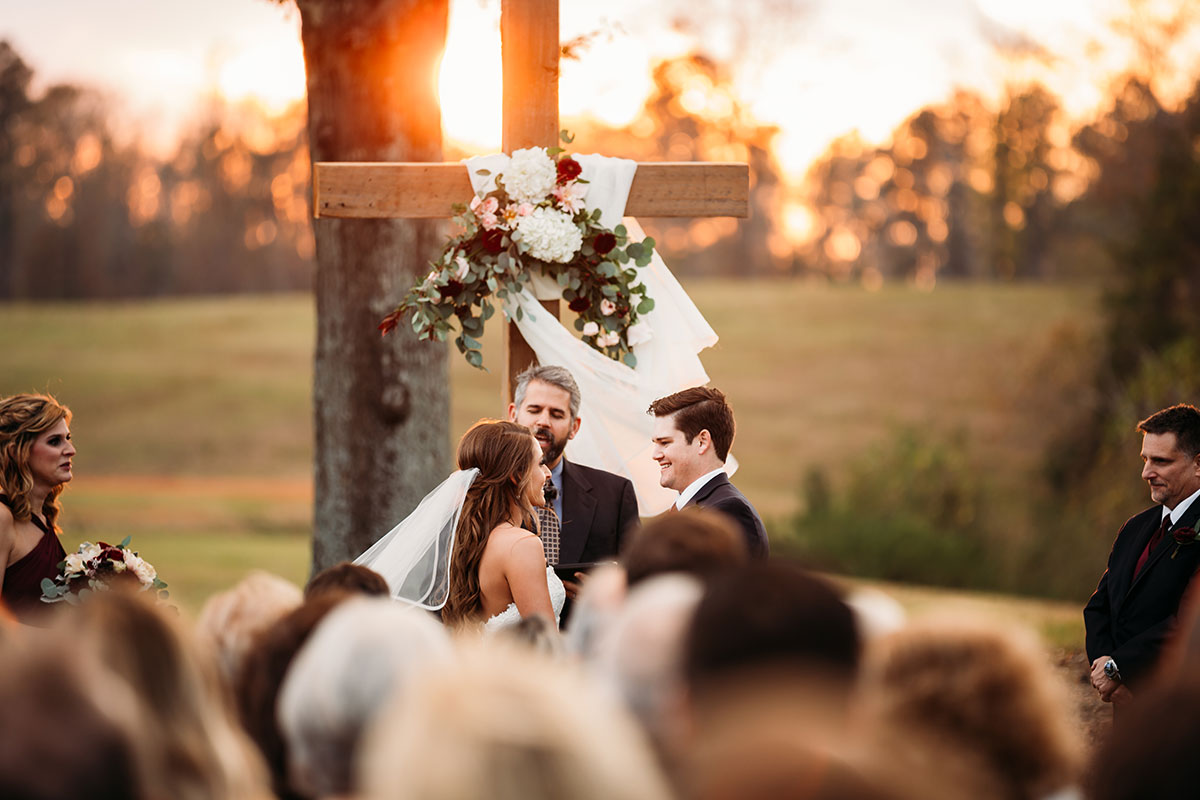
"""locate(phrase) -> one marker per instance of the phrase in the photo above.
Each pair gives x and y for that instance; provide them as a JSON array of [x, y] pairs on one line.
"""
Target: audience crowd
[[687, 671]]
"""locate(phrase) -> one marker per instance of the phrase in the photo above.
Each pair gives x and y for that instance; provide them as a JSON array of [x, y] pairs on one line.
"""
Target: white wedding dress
[[510, 616]]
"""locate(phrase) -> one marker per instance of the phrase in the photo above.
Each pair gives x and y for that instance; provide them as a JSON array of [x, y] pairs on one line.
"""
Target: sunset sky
[[815, 68]]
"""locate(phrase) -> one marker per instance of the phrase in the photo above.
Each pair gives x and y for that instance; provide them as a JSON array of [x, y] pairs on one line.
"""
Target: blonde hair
[[230, 620], [505, 723], [986, 700], [23, 418], [188, 744]]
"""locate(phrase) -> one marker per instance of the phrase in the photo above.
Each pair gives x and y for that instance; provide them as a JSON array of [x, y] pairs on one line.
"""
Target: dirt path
[[1095, 716]]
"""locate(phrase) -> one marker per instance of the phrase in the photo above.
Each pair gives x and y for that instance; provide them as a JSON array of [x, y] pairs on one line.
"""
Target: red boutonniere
[[1182, 536]]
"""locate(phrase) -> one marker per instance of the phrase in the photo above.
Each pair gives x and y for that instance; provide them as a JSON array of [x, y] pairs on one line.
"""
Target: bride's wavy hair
[[23, 418], [503, 454]]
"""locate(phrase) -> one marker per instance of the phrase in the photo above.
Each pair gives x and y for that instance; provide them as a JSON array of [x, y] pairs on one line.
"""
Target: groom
[[693, 431], [596, 508]]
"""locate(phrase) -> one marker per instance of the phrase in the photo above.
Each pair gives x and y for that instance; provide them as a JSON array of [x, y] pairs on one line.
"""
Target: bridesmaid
[[35, 465]]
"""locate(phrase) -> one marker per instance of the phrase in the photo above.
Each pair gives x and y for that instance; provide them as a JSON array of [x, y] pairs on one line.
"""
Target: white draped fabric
[[616, 430]]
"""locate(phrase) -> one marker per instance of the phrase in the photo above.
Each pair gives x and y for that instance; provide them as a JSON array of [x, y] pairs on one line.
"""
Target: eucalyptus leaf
[[630, 360], [125, 542], [646, 306], [620, 231], [472, 344]]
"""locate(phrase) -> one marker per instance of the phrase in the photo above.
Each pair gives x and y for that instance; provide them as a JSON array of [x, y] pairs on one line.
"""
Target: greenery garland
[[534, 219]]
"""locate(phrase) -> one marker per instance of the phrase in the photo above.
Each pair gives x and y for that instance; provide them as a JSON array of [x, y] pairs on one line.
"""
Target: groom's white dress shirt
[[695, 486]]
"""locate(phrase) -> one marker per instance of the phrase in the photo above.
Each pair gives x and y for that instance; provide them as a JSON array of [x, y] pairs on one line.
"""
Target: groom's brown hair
[[698, 409]]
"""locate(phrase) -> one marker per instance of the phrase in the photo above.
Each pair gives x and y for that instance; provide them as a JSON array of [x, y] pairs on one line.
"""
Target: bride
[[469, 549]]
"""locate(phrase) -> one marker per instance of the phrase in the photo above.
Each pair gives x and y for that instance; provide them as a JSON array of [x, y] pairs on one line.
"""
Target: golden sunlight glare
[[272, 75]]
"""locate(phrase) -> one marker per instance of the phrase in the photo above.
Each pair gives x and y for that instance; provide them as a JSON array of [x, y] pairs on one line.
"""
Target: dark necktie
[[551, 529], [1154, 540]]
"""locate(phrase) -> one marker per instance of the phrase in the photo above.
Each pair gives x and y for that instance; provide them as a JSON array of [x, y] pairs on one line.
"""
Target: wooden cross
[[530, 47]]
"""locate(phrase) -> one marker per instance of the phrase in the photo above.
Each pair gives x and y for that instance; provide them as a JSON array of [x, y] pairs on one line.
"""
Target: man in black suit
[[1152, 561], [693, 431], [595, 508]]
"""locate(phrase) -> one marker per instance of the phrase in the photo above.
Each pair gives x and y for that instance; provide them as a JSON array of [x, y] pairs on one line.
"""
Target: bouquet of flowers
[[98, 568], [534, 219]]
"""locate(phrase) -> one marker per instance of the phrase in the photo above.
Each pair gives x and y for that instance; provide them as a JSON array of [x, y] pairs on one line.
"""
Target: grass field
[[193, 417]]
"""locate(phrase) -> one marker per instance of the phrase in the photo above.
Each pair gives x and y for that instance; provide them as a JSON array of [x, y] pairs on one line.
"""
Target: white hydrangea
[[550, 235], [530, 175]]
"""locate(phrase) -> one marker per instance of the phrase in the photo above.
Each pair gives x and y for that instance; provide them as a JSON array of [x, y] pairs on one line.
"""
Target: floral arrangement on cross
[[534, 220]]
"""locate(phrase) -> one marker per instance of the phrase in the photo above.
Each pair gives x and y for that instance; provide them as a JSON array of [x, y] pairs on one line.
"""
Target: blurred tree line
[[914, 509], [83, 216]]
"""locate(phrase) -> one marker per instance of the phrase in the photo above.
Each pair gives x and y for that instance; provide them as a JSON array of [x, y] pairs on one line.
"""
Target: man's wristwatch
[[1110, 670]]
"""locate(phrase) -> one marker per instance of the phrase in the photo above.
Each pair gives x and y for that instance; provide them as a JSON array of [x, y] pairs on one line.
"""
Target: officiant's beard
[[552, 448]]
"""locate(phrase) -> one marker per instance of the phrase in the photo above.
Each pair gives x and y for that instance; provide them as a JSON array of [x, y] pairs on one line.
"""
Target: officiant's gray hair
[[555, 376]]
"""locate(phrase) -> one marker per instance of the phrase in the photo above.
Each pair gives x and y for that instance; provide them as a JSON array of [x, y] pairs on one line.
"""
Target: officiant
[[594, 509]]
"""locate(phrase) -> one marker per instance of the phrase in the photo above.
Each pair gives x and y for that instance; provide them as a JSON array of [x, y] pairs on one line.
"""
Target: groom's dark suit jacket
[[1129, 619], [721, 495], [598, 510]]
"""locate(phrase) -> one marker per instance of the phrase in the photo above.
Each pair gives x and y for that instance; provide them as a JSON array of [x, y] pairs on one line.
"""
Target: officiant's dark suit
[[598, 510], [719, 494], [597, 507], [1133, 611]]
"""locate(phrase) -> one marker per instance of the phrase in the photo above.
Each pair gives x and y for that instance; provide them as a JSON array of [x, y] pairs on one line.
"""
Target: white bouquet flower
[[530, 175], [550, 235]]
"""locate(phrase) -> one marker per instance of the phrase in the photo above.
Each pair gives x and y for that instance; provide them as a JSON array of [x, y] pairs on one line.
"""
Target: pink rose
[[485, 211], [570, 197], [590, 329], [607, 307]]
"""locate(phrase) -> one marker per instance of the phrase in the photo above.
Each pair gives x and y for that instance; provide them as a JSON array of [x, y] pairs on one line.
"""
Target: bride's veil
[[414, 556]]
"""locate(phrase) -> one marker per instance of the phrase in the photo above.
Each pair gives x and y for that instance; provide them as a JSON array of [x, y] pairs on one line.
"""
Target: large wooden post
[[530, 50]]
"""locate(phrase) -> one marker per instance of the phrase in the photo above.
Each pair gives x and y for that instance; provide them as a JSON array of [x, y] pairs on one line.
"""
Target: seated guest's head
[[596, 609], [535, 632], [230, 620], [354, 660], [695, 540], [348, 577], [503, 723], [971, 706], [188, 742], [770, 756], [256, 688], [1150, 751], [770, 618], [642, 654], [67, 727]]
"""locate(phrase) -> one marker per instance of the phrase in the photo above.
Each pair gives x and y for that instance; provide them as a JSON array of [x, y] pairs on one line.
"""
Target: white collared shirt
[[1178, 510], [695, 486]]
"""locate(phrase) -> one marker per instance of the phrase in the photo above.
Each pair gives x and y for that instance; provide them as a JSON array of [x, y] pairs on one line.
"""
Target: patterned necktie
[[1150, 545], [549, 524]]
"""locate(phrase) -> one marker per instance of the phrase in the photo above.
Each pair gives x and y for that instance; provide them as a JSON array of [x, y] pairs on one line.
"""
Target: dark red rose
[[451, 289], [1184, 535], [493, 240], [604, 243], [579, 305], [389, 323], [568, 169]]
